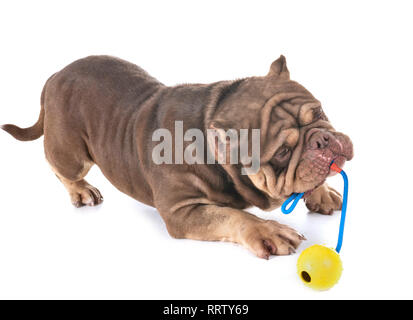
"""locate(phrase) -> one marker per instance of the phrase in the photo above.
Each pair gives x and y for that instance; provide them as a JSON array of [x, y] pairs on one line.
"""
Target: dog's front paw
[[267, 237], [324, 200]]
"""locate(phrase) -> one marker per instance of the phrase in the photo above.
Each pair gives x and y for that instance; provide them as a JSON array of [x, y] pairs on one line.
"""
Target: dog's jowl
[[103, 110]]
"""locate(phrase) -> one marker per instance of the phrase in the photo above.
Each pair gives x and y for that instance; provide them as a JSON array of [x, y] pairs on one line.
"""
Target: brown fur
[[103, 110]]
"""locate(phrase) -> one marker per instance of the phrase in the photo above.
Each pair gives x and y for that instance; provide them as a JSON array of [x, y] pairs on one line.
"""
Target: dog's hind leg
[[72, 176], [80, 191], [69, 158]]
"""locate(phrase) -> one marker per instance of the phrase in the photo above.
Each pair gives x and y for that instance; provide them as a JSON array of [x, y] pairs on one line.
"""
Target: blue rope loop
[[295, 197]]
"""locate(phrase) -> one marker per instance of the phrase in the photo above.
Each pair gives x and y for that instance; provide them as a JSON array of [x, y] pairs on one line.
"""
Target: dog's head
[[297, 141]]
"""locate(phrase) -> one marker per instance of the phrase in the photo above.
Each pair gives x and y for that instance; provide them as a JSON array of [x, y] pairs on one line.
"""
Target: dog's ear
[[279, 69]]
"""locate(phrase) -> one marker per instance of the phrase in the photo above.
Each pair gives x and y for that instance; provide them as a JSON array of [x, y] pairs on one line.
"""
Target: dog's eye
[[318, 114], [282, 154]]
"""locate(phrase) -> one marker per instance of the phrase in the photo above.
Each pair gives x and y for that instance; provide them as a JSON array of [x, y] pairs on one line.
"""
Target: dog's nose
[[320, 140]]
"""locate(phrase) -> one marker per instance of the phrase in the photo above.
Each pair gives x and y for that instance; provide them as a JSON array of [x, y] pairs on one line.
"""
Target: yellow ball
[[319, 267]]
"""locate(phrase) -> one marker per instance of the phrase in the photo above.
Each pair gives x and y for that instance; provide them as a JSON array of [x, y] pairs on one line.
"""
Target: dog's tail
[[27, 134], [32, 133]]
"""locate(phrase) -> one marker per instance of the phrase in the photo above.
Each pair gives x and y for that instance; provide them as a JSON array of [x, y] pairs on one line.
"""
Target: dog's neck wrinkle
[[219, 91], [243, 186], [246, 188]]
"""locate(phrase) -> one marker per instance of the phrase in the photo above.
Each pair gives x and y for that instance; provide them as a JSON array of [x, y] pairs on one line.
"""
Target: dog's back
[[89, 113]]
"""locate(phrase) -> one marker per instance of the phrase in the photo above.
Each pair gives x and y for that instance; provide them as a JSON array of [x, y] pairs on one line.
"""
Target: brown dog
[[103, 110]]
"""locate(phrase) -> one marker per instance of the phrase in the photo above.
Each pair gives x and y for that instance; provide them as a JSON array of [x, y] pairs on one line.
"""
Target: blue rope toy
[[295, 197]]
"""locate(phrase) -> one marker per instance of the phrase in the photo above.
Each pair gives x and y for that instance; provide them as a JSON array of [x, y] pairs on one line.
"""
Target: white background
[[354, 56]]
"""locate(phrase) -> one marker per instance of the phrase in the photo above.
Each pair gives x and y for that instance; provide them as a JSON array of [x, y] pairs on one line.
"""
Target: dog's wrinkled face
[[298, 143]]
